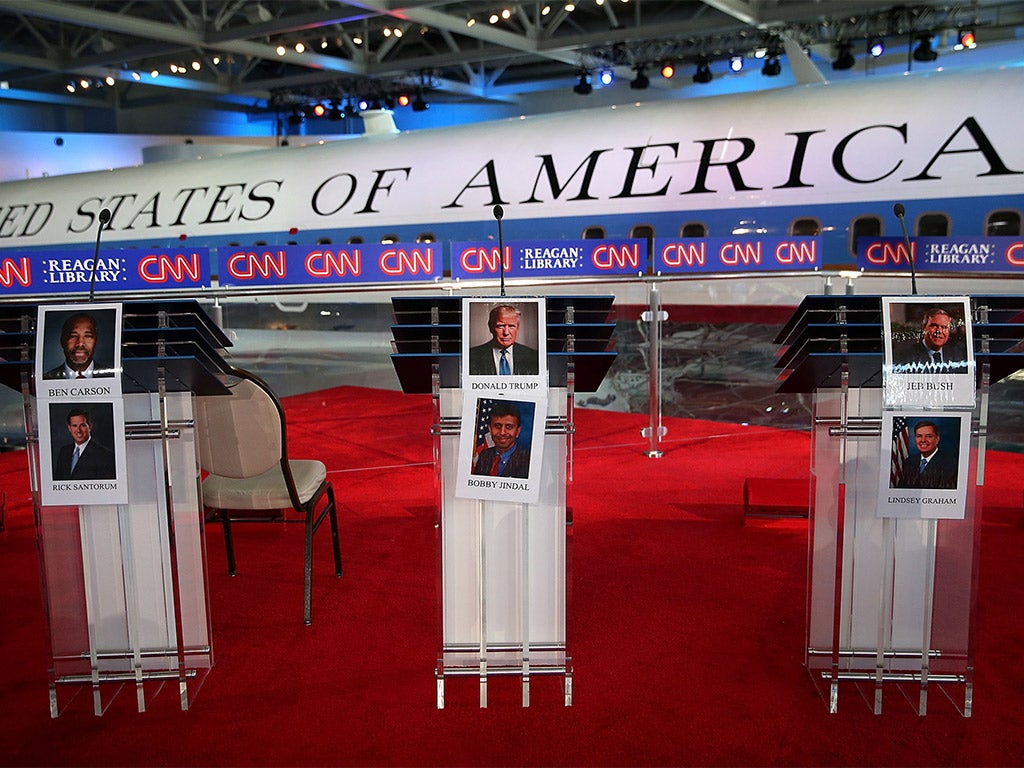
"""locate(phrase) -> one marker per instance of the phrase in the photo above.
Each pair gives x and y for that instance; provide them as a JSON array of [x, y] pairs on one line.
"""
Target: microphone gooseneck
[[900, 212], [104, 218], [499, 214]]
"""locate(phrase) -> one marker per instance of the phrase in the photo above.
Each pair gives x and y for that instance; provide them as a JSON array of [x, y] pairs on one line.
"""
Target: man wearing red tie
[[506, 458]]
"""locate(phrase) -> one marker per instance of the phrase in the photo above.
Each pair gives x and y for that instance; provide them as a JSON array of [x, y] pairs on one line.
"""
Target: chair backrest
[[241, 434]]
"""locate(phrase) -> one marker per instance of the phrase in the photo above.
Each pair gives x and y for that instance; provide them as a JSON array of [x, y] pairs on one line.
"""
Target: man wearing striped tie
[[929, 467]]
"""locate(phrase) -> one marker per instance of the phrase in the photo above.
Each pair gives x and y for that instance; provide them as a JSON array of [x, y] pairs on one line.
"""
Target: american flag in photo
[[483, 426], [900, 450]]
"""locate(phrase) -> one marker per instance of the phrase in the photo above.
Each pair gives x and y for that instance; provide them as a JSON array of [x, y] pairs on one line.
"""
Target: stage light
[[404, 100], [418, 104], [583, 87], [876, 47], [668, 71], [703, 73], [966, 39], [771, 67], [844, 57], [295, 118], [736, 63], [319, 110], [641, 81], [335, 114], [924, 50], [607, 77]]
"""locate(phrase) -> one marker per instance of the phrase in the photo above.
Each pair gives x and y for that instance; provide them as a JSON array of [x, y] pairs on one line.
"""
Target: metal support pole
[[654, 316]]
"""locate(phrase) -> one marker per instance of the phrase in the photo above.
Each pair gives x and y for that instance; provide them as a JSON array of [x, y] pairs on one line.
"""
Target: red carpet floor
[[686, 624]]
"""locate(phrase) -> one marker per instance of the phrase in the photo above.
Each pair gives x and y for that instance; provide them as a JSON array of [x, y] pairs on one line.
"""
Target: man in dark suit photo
[[83, 459], [929, 467], [506, 458], [78, 341], [935, 348], [503, 355]]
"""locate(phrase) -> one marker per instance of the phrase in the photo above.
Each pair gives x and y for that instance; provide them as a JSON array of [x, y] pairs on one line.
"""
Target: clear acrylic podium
[[125, 586], [890, 602], [504, 575]]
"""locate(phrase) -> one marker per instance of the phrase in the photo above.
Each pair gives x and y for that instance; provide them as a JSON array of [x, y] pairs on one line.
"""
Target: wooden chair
[[243, 446]]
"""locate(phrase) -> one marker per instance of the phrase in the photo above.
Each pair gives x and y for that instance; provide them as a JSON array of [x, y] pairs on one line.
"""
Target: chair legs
[[229, 541], [313, 522]]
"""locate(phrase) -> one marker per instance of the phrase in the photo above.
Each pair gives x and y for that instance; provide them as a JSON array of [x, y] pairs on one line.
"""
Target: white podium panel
[[503, 569], [889, 600], [125, 585]]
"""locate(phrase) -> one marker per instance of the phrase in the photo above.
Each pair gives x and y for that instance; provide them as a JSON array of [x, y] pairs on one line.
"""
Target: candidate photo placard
[[501, 448], [504, 344], [82, 456], [79, 353], [929, 352], [926, 473]]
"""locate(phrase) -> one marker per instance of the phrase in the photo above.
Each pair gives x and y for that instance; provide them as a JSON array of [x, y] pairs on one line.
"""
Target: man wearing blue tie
[[84, 459], [929, 467], [935, 349], [503, 355]]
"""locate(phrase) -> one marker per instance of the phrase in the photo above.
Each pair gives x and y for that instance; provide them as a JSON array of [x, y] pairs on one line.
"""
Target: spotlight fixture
[[335, 114], [703, 73], [641, 81], [607, 77], [736, 64], [844, 57], [876, 47], [418, 104], [924, 50], [668, 70], [583, 87], [771, 67], [404, 100], [966, 39], [295, 118], [319, 110]]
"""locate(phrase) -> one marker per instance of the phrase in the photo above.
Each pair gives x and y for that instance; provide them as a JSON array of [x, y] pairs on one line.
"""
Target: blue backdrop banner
[[71, 271], [554, 258], [942, 254]]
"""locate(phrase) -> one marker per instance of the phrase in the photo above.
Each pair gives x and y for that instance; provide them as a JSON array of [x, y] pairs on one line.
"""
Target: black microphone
[[499, 214], [900, 212], [104, 220]]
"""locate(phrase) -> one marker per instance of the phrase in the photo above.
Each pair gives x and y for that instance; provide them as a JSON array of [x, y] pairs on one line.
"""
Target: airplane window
[[323, 241], [354, 240], [643, 232], [932, 225], [388, 239], [864, 226], [805, 227], [593, 233], [426, 237], [693, 229], [1003, 223]]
